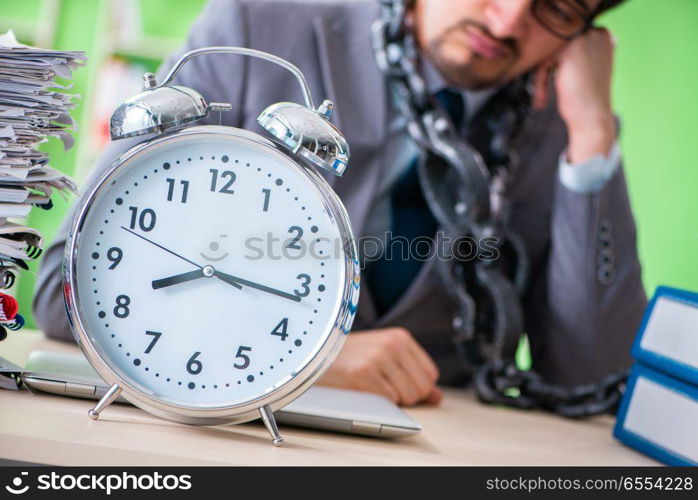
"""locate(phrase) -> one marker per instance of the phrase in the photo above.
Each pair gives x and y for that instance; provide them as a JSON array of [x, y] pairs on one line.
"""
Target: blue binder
[[655, 422], [668, 337], [659, 411]]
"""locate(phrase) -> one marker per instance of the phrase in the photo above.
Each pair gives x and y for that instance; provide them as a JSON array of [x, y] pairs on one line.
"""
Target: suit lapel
[[351, 77], [352, 80]]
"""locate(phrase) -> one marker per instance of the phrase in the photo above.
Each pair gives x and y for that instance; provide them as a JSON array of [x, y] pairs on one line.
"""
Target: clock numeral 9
[[194, 366], [121, 309], [114, 255], [244, 357], [281, 329], [294, 242], [226, 174], [305, 288], [171, 188], [146, 221]]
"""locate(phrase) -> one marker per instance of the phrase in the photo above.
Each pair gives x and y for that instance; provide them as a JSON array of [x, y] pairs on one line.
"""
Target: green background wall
[[654, 93], [656, 96]]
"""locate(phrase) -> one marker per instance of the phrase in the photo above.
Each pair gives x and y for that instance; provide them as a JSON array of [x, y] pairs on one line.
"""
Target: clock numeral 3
[[226, 174], [194, 366], [281, 329], [146, 221], [114, 254], [305, 288], [171, 189], [244, 357], [294, 242], [156, 337], [121, 309]]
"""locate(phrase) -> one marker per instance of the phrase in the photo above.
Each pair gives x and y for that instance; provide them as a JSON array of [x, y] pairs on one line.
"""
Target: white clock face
[[209, 270]]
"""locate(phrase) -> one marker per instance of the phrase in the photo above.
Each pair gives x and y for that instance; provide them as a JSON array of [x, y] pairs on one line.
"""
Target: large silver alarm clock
[[211, 274]]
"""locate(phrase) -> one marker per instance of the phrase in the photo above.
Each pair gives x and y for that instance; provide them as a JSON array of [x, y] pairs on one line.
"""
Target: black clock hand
[[163, 248], [227, 278], [234, 280], [206, 272], [181, 278]]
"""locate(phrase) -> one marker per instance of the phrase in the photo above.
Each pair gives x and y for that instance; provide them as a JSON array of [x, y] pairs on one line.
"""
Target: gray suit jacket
[[586, 296]]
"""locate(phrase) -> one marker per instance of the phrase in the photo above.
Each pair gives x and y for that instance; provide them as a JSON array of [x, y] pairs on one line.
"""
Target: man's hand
[[582, 75], [388, 362]]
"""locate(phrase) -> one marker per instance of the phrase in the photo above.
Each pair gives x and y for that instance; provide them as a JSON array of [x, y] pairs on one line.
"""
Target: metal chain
[[468, 199]]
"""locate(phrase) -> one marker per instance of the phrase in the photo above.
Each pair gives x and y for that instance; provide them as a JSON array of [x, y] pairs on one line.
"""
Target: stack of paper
[[33, 107]]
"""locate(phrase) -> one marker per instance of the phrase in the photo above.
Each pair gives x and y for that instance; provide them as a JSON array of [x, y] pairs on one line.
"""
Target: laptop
[[323, 408]]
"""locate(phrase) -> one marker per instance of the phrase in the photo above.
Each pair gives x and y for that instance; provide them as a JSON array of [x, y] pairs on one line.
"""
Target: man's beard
[[477, 72]]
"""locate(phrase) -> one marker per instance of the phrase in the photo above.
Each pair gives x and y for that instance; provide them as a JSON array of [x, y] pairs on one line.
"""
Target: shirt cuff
[[592, 175]]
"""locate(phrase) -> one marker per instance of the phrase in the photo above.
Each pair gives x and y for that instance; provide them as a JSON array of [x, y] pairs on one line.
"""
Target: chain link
[[469, 199]]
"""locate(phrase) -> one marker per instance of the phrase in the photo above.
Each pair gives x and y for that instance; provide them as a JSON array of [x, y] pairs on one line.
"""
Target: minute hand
[[233, 280]]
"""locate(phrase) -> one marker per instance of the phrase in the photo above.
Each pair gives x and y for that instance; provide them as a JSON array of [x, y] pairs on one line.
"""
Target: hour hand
[[205, 272], [178, 278]]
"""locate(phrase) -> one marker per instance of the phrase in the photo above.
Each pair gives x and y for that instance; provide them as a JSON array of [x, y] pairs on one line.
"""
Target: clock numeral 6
[[194, 366], [171, 189], [121, 309], [146, 221], [114, 255], [281, 329], [226, 174], [304, 286], [244, 357]]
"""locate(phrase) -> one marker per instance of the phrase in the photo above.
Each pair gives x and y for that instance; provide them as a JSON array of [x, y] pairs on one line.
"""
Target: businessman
[[568, 197]]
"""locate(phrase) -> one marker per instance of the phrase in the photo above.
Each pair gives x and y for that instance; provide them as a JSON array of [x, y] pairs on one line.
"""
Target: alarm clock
[[211, 274]]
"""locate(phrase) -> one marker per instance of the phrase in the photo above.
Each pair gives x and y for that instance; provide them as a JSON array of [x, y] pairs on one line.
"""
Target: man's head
[[480, 43]]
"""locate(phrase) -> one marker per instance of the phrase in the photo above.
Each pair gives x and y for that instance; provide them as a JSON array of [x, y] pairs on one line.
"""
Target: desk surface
[[56, 430]]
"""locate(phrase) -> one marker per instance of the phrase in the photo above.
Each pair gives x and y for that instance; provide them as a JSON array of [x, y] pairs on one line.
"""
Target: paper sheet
[[34, 106]]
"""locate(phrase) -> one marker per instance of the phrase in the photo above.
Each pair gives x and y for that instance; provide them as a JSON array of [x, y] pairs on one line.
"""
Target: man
[[568, 196]]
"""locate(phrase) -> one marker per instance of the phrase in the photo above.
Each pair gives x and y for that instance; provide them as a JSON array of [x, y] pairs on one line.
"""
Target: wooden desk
[[56, 430]]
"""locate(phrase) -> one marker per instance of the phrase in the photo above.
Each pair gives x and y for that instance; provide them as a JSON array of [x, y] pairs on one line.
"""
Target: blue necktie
[[411, 219]]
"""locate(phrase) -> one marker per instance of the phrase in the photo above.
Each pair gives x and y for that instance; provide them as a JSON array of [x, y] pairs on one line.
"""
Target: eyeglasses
[[565, 19]]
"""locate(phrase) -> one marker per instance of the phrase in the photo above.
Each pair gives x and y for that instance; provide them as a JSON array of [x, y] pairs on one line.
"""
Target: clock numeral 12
[[171, 188], [226, 174]]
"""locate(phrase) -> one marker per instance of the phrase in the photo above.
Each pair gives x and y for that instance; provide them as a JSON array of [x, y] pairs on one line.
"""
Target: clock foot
[[270, 424], [108, 398]]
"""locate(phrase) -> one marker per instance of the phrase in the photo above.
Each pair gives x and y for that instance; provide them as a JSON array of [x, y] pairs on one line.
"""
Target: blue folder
[[679, 309], [654, 419]]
